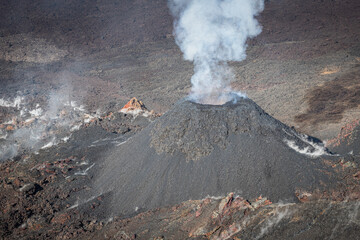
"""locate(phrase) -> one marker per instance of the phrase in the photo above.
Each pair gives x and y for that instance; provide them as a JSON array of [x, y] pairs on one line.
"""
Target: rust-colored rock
[[303, 196], [345, 134], [110, 114], [35, 226], [17, 182], [133, 105], [61, 218], [10, 128]]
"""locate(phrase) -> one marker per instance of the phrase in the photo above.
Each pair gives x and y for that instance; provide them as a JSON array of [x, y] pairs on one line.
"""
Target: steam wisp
[[210, 33], [42, 127]]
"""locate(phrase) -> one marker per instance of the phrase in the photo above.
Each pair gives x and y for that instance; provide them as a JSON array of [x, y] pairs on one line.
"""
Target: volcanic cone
[[194, 151]]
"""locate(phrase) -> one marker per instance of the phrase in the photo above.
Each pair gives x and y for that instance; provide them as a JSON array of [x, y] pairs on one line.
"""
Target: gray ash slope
[[194, 151]]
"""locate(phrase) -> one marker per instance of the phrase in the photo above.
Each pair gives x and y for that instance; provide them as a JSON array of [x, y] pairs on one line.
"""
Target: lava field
[[100, 139]]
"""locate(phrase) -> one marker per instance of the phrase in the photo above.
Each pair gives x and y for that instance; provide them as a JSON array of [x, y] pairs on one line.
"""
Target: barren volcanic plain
[[67, 70]]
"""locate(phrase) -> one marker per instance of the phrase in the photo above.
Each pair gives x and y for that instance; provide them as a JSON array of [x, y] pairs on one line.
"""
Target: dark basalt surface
[[195, 150]]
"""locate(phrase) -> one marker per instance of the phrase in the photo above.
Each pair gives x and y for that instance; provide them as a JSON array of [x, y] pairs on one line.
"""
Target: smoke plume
[[210, 33]]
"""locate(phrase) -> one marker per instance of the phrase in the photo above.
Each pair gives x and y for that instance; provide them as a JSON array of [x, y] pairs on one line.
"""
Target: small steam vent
[[196, 150]]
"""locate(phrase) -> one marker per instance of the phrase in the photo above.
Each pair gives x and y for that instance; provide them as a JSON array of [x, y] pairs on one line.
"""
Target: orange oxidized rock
[[10, 128], [61, 218], [133, 105], [345, 134]]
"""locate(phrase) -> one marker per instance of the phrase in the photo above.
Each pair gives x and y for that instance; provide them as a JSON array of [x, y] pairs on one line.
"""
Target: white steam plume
[[210, 33]]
